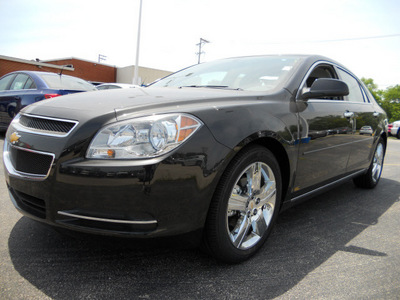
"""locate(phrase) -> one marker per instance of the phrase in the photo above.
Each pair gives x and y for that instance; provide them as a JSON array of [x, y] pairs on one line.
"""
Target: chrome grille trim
[[64, 213], [37, 125]]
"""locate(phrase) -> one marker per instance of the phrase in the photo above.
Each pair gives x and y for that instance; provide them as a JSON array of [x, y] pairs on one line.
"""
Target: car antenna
[[62, 69], [64, 66]]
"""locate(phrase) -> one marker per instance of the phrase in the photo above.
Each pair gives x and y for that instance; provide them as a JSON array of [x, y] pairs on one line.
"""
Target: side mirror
[[326, 87]]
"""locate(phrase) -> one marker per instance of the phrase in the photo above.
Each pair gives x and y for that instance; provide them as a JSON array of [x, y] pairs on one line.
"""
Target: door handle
[[348, 114]]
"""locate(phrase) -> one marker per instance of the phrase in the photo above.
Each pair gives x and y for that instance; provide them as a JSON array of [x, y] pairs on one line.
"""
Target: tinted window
[[368, 95], [64, 82], [320, 71], [30, 84], [108, 87], [5, 81], [19, 82], [355, 94]]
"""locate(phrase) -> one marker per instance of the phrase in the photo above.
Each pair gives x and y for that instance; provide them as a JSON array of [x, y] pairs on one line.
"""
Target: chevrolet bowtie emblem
[[14, 138]]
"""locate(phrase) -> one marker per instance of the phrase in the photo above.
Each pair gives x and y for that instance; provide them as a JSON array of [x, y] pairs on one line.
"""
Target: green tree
[[388, 99], [373, 88], [391, 102]]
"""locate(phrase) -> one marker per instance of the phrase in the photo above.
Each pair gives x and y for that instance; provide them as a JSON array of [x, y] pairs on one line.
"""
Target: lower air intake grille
[[30, 162]]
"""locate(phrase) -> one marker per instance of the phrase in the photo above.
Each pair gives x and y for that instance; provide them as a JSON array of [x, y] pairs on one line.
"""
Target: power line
[[360, 38], [341, 40]]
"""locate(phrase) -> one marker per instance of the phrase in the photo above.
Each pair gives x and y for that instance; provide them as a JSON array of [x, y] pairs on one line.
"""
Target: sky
[[363, 35]]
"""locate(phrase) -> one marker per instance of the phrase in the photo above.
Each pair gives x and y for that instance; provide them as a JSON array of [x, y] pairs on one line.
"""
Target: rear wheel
[[371, 178], [245, 206]]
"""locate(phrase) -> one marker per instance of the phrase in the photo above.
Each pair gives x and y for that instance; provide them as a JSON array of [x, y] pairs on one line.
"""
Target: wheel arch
[[384, 138], [280, 153], [281, 156], [213, 228]]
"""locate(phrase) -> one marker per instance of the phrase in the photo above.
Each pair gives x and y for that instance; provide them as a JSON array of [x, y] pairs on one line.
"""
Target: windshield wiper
[[211, 87]]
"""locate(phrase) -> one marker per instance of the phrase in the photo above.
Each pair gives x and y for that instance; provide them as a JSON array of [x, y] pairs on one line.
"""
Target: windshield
[[260, 73], [63, 82]]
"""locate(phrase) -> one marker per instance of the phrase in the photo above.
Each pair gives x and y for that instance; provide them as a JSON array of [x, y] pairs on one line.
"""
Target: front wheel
[[245, 206], [370, 179]]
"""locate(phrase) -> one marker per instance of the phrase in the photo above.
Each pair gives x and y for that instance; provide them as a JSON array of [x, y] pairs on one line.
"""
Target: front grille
[[52, 125], [30, 162], [30, 204]]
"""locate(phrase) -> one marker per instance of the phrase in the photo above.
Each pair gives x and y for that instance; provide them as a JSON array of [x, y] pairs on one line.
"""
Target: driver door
[[326, 134]]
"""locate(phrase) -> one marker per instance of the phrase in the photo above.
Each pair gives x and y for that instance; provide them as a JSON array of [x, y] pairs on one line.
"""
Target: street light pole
[[136, 72]]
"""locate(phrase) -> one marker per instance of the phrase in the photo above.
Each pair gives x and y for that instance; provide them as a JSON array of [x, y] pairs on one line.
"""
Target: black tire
[[398, 134], [241, 215], [370, 179]]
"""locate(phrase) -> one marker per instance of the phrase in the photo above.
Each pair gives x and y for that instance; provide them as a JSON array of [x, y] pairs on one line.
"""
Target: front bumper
[[166, 196]]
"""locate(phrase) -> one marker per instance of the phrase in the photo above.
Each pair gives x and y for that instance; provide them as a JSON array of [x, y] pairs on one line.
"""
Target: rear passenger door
[[364, 116]]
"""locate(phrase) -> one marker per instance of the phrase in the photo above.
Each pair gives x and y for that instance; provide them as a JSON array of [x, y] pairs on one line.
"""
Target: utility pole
[[101, 58], [202, 42], [136, 72]]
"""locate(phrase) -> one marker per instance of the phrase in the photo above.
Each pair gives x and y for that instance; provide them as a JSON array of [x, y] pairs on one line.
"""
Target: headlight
[[143, 137]]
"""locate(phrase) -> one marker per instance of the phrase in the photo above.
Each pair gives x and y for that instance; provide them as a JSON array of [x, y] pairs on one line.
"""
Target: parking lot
[[344, 244]]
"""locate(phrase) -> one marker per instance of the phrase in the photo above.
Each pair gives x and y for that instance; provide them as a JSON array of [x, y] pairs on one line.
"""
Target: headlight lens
[[143, 137]]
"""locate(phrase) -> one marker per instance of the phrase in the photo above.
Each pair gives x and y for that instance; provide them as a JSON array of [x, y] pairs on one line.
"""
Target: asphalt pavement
[[343, 244]]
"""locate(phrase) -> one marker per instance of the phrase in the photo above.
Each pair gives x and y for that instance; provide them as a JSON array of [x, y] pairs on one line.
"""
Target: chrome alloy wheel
[[251, 205], [377, 163]]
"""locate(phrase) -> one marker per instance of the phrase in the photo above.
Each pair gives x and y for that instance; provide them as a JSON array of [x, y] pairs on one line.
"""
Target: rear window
[[63, 82], [5, 81]]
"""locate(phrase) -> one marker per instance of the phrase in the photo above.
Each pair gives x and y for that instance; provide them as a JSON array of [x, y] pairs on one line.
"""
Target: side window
[[5, 82], [368, 94], [19, 82], [366, 98], [355, 94], [30, 84], [321, 71]]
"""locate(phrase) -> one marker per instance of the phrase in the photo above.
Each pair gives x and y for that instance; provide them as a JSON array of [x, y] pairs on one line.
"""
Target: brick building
[[88, 70]]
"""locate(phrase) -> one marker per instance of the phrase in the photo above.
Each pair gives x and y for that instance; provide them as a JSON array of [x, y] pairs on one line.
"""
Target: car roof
[[38, 73], [39, 80]]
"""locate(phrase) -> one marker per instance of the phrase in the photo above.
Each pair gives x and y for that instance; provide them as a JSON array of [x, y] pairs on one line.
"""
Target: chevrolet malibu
[[214, 151]]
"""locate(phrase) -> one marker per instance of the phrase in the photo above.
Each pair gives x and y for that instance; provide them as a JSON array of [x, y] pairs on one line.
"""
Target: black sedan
[[21, 88], [214, 151]]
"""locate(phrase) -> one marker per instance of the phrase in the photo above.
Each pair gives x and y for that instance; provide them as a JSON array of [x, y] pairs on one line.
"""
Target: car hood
[[123, 103]]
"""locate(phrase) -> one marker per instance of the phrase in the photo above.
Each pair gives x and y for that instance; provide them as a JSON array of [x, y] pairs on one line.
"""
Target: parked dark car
[[214, 151], [19, 89]]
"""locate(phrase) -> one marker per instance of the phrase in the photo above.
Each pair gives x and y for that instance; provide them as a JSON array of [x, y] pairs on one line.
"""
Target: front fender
[[239, 124]]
